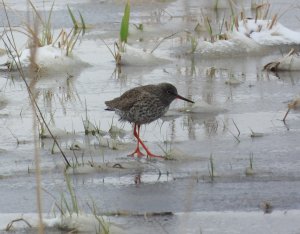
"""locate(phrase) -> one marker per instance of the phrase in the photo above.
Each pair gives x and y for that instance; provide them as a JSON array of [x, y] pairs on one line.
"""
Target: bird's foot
[[150, 155], [138, 153]]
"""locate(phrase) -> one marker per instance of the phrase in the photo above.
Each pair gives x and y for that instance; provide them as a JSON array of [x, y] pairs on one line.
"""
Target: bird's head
[[169, 93]]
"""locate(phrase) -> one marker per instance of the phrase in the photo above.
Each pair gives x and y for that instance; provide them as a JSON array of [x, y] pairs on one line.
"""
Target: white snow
[[137, 57], [250, 37], [52, 59]]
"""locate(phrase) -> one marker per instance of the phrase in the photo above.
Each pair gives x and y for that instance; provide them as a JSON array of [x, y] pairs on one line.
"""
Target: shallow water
[[258, 103]]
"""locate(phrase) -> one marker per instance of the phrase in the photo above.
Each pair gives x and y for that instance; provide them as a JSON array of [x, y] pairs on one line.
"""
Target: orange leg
[[137, 136], [137, 149]]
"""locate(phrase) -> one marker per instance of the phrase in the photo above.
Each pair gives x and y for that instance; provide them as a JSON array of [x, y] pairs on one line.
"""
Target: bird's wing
[[125, 101], [128, 99]]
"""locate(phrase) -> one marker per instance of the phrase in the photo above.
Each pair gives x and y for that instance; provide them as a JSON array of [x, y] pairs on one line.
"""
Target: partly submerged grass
[[211, 168], [125, 23], [69, 206], [103, 226], [76, 24], [251, 161], [46, 37], [119, 47], [66, 207], [66, 40]]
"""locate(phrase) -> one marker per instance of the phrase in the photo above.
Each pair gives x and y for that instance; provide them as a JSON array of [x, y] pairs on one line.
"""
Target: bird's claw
[[138, 153]]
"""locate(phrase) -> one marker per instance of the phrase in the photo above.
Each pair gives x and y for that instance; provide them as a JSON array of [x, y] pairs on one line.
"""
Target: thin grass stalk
[[286, 114], [36, 13], [32, 66], [236, 23], [10, 225], [251, 160], [209, 29], [64, 201], [83, 25], [242, 15], [161, 41], [55, 202], [48, 35], [29, 35], [267, 11], [110, 50], [17, 61], [72, 194], [231, 4], [36, 146], [216, 5], [58, 37], [211, 168], [73, 42], [239, 132], [256, 14], [75, 24], [222, 25], [101, 221], [273, 22]]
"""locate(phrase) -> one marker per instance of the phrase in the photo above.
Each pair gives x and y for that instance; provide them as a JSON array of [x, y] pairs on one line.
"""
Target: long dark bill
[[182, 98]]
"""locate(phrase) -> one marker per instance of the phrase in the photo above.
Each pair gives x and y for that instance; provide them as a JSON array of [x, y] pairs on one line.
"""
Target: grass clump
[[221, 30], [103, 226], [65, 40], [89, 127], [249, 170], [71, 214], [67, 208], [68, 40], [46, 37], [211, 168], [119, 47]]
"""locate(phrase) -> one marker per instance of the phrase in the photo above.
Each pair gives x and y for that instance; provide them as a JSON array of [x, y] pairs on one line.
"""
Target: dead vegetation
[[290, 61]]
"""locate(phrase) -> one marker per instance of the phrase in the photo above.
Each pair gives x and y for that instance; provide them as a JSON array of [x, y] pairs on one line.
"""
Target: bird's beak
[[182, 98]]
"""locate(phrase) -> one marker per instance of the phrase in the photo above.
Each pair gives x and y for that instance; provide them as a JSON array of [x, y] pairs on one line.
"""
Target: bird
[[142, 105]]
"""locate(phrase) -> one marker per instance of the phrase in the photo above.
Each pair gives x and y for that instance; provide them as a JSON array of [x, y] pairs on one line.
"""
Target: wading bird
[[142, 105]]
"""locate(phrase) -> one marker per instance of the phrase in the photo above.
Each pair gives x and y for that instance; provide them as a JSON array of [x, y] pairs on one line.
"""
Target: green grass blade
[[37, 13], [74, 41], [64, 202], [125, 23], [72, 194], [82, 23], [47, 28], [50, 15], [75, 24]]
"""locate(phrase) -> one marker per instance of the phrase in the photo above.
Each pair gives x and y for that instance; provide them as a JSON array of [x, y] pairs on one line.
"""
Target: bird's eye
[[168, 92]]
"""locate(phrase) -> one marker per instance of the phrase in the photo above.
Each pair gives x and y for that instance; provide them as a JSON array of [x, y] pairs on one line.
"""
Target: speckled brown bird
[[142, 105]]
